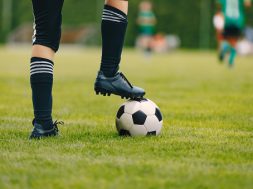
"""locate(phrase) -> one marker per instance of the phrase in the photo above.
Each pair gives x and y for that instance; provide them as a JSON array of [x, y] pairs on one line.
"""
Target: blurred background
[[188, 22]]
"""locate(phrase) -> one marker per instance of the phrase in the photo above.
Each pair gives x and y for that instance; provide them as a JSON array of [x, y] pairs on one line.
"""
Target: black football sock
[[41, 78], [113, 28]]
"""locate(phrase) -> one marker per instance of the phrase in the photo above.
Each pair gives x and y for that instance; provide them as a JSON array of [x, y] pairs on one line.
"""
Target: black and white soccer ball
[[139, 118]]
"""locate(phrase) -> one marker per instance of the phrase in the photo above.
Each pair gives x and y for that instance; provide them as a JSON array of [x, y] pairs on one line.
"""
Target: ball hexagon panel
[[121, 111], [152, 124], [138, 130], [139, 118], [125, 122], [132, 106], [158, 114], [148, 108]]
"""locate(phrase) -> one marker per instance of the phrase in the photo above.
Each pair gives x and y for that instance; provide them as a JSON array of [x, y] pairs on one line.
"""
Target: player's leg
[[233, 42], [113, 29], [47, 32], [225, 45], [235, 33], [224, 49], [114, 25]]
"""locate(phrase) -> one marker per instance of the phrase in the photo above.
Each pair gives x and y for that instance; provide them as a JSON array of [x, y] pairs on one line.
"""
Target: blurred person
[[218, 22], [46, 40], [160, 43], [146, 21], [233, 12]]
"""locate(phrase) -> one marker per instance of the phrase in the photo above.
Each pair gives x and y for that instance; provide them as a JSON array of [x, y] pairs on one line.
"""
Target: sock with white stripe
[[113, 28], [41, 79]]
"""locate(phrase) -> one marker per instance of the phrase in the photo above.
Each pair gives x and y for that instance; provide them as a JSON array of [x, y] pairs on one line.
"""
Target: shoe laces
[[56, 123], [125, 79]]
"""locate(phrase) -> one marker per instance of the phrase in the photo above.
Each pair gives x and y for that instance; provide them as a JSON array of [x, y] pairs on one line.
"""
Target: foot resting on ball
[[39, 132], [117, 85]]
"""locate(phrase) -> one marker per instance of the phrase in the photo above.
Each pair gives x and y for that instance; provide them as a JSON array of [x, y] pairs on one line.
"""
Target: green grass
[[206, 142]]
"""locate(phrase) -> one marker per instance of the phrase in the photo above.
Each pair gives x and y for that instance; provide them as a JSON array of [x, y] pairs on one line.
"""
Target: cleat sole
[[104, 92]]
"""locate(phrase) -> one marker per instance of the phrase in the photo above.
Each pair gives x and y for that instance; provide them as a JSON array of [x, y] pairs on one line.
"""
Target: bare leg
[[43, 52], [119, 4]]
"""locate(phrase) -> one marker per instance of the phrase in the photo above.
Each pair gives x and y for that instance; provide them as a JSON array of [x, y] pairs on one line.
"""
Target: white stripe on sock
[[112, 20], [41, 72], [105, 10], [41, 62], [41, 66], [111, 17], [38, 69]]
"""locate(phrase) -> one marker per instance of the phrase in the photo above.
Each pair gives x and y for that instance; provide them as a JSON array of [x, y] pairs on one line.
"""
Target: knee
[[47, 30]]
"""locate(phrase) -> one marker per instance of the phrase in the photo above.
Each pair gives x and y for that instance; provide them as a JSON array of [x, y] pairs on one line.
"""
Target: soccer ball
[[139, 117]]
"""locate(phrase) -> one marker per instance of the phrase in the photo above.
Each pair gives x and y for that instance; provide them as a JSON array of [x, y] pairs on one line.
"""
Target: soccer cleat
[[39, 132], [117, 85]]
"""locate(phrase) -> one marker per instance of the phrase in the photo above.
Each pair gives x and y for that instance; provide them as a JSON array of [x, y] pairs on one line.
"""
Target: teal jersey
[[147, 22], [233, 11]]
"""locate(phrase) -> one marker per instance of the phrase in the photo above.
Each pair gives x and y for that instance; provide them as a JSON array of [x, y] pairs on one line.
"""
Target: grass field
[[206, 143]]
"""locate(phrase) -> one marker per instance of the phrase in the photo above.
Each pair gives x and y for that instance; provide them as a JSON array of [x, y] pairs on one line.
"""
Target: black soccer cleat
[[39, 132], [117, 85]]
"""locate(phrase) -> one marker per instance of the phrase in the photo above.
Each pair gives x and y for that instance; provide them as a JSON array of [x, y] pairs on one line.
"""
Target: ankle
[[46, 124]]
